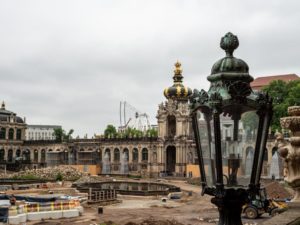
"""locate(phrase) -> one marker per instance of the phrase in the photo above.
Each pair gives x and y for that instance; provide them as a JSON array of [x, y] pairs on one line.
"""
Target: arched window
[[65, 155], [18, 153], [135, 155], [116, 155], [126, 151], [249, 160], [145, 154], [19, 134], [11, 134], [2, 133], [43, 155], [36, 156], [171, 126], [26, 155], [2, 152], [107, 152], [10, 155]]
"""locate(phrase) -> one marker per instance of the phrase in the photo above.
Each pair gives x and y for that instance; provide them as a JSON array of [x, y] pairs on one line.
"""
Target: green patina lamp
[[221, 117]]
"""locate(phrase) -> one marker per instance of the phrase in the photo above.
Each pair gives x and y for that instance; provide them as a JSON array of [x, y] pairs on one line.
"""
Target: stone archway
[[171, 159], [249, 160]]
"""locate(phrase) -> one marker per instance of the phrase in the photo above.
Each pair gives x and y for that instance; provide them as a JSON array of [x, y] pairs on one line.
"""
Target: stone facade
[[168, 153], [40, 132]]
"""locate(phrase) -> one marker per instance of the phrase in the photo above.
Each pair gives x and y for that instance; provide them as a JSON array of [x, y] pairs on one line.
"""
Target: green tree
[[284, 95], [151, 132], [293, 97], [68, 136], [110, 131], [60, 134], [132, 132], [250, 120]]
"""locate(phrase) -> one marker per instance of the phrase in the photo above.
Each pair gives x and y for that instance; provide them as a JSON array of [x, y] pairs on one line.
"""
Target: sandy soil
[[195, 209]]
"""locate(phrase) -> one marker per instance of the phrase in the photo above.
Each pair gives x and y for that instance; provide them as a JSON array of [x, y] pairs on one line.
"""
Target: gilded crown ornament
[[178, 91], [178, 70]]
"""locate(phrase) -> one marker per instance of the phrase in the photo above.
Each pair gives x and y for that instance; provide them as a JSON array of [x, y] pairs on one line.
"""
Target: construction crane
[[133, 118]]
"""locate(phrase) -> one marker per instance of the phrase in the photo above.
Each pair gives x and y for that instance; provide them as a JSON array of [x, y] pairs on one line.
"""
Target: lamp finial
[[229, 43]]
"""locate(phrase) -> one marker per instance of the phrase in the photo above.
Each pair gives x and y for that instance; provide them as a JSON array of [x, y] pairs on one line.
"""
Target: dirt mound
[[152, 221], [277, 191]]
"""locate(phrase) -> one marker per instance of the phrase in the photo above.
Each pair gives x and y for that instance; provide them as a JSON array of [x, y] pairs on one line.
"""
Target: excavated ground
[[194, 209]]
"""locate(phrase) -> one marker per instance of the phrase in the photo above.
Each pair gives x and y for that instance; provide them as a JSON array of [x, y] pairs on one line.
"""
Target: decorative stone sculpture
[[290, 151]]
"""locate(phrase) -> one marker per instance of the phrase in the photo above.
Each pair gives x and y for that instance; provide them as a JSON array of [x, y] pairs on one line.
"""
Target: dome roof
[[5, 114], [229, 65], [178, 91]]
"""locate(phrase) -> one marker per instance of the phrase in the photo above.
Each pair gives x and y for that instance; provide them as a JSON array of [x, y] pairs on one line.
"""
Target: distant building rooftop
[[43, 126], [261, 82]]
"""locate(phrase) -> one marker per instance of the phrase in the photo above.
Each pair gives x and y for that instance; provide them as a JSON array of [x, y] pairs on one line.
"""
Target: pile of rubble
[[49, 173], [277, 191], [90, 179]]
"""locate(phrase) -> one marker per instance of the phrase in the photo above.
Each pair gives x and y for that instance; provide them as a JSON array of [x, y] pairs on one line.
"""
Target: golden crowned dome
[[178, 91]]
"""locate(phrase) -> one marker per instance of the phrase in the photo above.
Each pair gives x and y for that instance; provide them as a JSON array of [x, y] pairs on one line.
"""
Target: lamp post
[[230, 102]]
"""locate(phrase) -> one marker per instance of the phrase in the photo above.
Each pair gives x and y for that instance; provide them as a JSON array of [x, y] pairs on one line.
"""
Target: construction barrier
[[19, 214], [46, 206]]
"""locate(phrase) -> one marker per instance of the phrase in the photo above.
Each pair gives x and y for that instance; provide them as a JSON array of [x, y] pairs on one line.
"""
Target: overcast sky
[[70, 63]]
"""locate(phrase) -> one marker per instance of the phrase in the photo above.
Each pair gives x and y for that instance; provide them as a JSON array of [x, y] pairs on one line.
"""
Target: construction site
[[126, 177], [68, 196]]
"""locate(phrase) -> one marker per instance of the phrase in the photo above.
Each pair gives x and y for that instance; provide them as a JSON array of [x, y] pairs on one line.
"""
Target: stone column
[[103, 154], [5, 153], [40, 155], [112, 155], [15, 134], [290, 151], [140, 155], [130, 155]]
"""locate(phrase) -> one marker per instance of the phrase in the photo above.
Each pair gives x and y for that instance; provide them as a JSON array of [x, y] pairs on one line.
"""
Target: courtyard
[[191, 208]]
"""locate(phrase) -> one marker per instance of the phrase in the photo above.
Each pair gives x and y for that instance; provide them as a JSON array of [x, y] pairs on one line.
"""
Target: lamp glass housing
[[237, 131]]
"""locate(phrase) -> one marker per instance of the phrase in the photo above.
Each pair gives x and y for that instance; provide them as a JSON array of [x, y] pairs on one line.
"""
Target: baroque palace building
[[172, 152]]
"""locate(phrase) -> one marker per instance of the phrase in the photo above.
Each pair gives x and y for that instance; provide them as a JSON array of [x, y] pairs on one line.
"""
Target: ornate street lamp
[[221, 119]]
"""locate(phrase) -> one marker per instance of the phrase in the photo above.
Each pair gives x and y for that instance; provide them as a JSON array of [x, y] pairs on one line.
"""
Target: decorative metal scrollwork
[[239, 90], [199, 97], [215, 100]]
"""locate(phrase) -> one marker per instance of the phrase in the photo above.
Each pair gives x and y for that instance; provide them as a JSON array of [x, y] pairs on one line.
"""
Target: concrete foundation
[[37, 216], [70, 213], [21, 218], [44, 215]]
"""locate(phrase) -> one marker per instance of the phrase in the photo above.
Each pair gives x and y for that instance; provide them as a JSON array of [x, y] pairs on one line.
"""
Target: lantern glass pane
[[206, 132], [238, 138]]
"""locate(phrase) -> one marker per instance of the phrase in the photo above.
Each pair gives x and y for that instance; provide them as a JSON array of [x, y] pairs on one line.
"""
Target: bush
[[59, 177], [26, 177], [134, 176]]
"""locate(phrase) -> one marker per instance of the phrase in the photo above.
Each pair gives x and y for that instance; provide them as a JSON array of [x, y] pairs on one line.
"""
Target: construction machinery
[[260, 204], [133, 118]]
